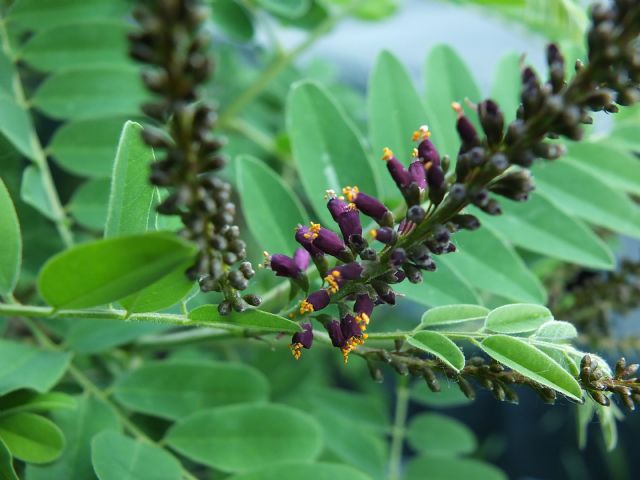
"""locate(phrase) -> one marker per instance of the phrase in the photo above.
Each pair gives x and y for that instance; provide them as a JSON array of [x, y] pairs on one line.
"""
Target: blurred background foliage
[[66, 89]]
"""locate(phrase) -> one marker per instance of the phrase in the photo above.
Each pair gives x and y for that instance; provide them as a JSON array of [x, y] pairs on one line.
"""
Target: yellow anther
[[414, 153], [422, 133], [351, 193], [329, 194], [387, 154], [373, 233], [315, 227], [333, 284], [457, 108], [305, 307], [296, 350], [336, 273], [352, 207]]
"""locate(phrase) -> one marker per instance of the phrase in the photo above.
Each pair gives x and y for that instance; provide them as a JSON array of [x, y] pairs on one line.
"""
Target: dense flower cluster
[[172, 42], [624, 384], [494, 163]]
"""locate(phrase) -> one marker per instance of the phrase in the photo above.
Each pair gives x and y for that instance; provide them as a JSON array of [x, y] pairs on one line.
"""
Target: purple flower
[[385, 235], [336, 206], [370, 206], [363, 304], [301, 257], [350, 327], [315, 301], [335, 334], [305, 236], [416, 170], [435, 177], [399, 174], [427, 153], [284, 266], [398, 257], [330, 243], [466, 130], [341, 274], [301, 340], [349, 223]]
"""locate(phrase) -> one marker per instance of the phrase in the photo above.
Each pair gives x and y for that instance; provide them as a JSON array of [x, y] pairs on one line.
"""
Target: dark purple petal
[[349, 223], [416, 170], [337, 207], [385, 235], [335, 334], [349, 271], [315, 301], [284, 266], [329, 242], [305, 338], [301, 258], [399, 174], [435, 177], [370, 206], [398, 257], [350, 327], [466, 130], [363, 304], [305, 237], [427, 153]]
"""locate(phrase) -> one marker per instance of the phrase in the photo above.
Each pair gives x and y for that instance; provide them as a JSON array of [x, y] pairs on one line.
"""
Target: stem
[[90, 387], [277, 65], [39, 158], [398, 431]]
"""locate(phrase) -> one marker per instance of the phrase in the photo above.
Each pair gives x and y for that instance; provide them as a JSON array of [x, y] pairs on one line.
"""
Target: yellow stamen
[[305, 307], [351, 193], [296, 350], [352, 207], [331, 280], [374, 233], [414, 153], [315, 227], [387, 154], [422, 133], [457, 108]]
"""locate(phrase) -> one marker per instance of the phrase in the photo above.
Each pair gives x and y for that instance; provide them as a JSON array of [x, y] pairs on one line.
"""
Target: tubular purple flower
[[466, 130], [330, 243], [416, 170], [301, 340], [385, 235], [399, 174], [370, 206], [350, 327], [335, 334], [315, 301], [363, 304], [284, 266], [305, 237], [349, 222], [336, 206], [427, 153], [343, 273]]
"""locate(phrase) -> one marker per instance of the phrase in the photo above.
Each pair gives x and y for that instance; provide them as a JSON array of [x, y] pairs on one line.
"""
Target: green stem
[[277, 65], [399, 428], [91, 388], [39, 158]]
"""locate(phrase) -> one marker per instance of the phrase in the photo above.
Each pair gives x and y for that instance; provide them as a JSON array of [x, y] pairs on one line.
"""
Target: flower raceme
[[492, 162]]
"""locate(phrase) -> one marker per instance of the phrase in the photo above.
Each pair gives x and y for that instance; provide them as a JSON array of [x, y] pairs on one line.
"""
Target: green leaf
[[117, 457], [89, 203], [132, 196], [256, 319], [32, 192], [39, 14], [240, 438], [587, 197], [176, 390], [87, 147], [79, 427], [7, 471], [11, 251], [447, 80], [542, 227], [286, 8], [489, 263], [433, 467], [326, 146], [233, 19], [270, 207], [506, 86], [395, 111], [15, 124], [621, 169], [162, 294], [296, 471], [23, 366], [31, 438], [555, 330], [80, 278], [437, 344], [518, 318], [94, 336], [452, 314], [77, 94], [29, 401], [442, 287], [437, 434], [527, 360], [77, 45]]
